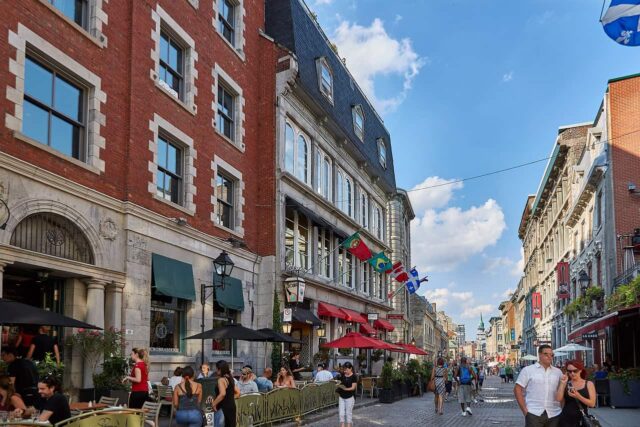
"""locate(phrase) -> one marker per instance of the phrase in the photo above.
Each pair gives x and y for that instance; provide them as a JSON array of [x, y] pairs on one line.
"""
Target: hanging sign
[[294, 289], [562, 277], [536, 305], [372, 317], [287, 316]]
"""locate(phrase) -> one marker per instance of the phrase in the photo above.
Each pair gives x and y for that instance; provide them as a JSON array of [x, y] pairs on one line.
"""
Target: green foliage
[[414, 371], [94, 345], [113, 370], [362, 357], [321, 356], [386, 376], [345, 351], [625, 295], [625, 375], [276, 349], [595, 292], [427, 368], [50, 368], [376, 355], [578, 305]]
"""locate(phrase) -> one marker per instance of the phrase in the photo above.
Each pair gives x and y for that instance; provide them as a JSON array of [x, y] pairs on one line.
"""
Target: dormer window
[[382, 153], [325, 78], [358, 121]]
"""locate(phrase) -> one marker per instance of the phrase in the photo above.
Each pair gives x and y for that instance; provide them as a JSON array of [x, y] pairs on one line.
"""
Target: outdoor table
[[84, 406], [25, 423]]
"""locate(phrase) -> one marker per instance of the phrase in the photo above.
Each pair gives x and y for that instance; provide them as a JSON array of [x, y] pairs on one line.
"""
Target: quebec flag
[[413, 284], [621, 22]]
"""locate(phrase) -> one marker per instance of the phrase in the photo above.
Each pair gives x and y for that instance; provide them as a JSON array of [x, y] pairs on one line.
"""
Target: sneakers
[[464, 414], [469, 410]]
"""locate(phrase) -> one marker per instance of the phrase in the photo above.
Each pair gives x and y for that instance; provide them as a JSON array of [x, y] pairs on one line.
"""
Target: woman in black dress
[[575, 393], [227, 393]]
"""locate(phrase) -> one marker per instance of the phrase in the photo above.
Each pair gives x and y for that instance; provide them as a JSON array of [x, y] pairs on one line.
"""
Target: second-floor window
[[296, 239], [72, 9], [225, 112], [344, 195], [53, 109], [224, 192], [171, 65], [364, 210], [226, 20], [325, 253], [297, 153], [378, 225], [169, 175], [323, 174]]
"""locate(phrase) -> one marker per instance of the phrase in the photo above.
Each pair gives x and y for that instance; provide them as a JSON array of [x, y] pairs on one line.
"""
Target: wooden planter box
[[619, 399]]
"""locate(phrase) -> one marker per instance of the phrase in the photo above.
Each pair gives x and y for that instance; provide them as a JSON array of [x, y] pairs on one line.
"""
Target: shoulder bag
[[588, 420]]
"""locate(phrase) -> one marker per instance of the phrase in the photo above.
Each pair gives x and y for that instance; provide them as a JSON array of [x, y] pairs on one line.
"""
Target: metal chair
[[602, 391], [165, 397], [368, 386], [111, 401], [152, 414]]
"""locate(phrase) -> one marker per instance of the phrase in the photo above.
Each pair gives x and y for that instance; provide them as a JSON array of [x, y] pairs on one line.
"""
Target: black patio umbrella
[[277, 336], [16, 313]]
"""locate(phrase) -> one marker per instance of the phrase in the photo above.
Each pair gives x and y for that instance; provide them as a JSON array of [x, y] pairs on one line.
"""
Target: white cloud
[[323, 2], [438, 295], [473, 312], [518, 267], [397, 19], [507, 77], [492, 265], [371, 52], [435, 193], [507, 294], [462, 296]]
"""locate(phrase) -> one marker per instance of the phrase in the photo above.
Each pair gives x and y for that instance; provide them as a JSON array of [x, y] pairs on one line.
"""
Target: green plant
[[276, 350], [345, 351], [114, 368], [625, 295], [594, 293], [361, 357], [414, 371], [49, 368], [321, 356], [376, 355], [427, 368], [386, 376], [94, 345], [625, 375]]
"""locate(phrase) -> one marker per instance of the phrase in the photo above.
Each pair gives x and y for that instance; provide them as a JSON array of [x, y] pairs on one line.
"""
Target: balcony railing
[[627, 276]]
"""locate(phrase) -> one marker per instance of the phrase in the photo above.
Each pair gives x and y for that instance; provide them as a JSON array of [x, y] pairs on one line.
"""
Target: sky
[[467, 87]]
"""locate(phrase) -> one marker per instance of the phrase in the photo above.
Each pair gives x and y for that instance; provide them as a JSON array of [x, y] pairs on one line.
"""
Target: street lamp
[[286, 327], [413, 341], [584, 280], [223, 267], [322, 332]]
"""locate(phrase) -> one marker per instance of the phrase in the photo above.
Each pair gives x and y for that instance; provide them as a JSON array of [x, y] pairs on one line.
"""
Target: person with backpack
[[465, 377]]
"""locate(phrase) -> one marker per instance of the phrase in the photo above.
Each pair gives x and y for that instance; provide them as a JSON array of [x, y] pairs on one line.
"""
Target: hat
[[347, 365], [322, 365]]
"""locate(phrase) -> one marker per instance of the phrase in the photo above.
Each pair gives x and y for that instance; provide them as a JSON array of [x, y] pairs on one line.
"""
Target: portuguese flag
[[357, 247]]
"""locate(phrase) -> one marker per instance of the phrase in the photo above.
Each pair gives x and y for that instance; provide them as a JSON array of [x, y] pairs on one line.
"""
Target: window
[[296, 239], [323, 174], [382, 153], [297, 153], [53, 109], [72, 9], [225, 112], [365, 269], [226, 20], [222, 316], [224, 192], [325, 253], [378, 225], [171, 65], [345, 194], [364, 209], [346, 268], [167, 323], [377, 285], [169, 174], [598, 212], [325, 78], [358, 121]]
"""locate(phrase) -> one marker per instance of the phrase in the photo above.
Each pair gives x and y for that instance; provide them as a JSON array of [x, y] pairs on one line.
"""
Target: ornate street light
[[322, 332], [286, 327], [413, 342], [584, 280], [223, 266]]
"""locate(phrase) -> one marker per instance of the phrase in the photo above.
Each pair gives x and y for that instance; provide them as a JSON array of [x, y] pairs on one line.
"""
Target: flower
[[80, 330]]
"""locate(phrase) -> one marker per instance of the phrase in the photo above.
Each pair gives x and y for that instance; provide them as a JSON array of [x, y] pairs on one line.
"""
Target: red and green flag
[[357, 247], [381, 263]]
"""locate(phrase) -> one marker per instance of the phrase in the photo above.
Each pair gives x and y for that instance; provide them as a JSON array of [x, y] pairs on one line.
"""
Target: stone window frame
[[320, 63], [26, 40], [164, 22], [356, 111], [160, 126], [95, 17], [382, 148], [239, 27], [194, 3], [220, 77], [320, 160], [294, 169], [220, 165]]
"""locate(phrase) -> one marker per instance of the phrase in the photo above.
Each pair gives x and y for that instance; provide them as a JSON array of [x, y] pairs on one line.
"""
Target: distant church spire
[[481, 325]]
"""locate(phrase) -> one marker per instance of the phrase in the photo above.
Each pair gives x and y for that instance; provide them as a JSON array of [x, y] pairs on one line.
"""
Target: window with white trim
[[225, 112], [377, 284], [76, 10], [171, 65], [228, 21], [346, 268], [325, 253], [224, 193], [358, 121], [296, 239], [89, 15], [229, 108], [297, 152], [364, 209], [345, 197], [382, 153], [169, 174], [323, 174], [325, 78], [378, 223], [365, 275], [227, 196]]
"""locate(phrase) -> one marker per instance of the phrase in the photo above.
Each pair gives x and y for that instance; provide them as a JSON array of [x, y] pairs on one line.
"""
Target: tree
[[276, 350]]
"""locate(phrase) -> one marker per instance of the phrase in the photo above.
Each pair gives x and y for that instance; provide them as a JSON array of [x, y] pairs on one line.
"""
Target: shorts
[[345, 408], [464, 393], [447, 386]]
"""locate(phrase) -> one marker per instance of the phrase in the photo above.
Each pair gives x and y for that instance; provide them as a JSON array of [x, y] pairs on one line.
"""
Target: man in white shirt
[[535, 391], [322, 376]]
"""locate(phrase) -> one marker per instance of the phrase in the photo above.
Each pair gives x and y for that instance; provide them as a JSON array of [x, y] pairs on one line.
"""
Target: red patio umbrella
[[412, 349], [356, 340]]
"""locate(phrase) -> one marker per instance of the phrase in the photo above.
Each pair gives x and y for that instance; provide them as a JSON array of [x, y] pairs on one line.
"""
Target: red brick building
[[138, 143]]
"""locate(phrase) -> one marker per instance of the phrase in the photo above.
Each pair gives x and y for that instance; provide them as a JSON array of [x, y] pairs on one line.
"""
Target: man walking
[[465, 377], [535, 391]]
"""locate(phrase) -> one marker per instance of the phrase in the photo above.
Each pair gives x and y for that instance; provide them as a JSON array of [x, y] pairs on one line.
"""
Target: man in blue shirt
[[264, 382]]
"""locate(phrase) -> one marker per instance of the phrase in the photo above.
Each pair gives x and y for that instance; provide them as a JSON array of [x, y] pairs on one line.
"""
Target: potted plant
[[386, 380], [376, 355], [624, 387], [427, 368], [362, 359], [109, 381], [50, 368], [414, 377]]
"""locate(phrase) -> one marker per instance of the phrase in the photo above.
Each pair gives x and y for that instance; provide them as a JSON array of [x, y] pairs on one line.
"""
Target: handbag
[[431, 386], [588, 420]]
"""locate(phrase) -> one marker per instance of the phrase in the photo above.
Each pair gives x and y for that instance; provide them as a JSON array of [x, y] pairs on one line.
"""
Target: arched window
[[326, 177], [297, 153], [358, 121], [382, 153], [340, 191], [348, 195], [325, 78], [289, 148], [301, 161]]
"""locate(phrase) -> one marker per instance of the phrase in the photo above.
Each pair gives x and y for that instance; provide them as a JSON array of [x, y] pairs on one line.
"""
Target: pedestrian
[[264, 382], [10, 401], [42, 344], [481, 374], [23, 342], [465, 377], [346, 390], [508, 370], [138, 378], [176, 378], [599, 372], [448, 384], [23, 375], [285, 378], [322, 376], [576, 393], [295, 366], [246, 384], [503, 373], [438, 375], [227, 393], [540, 381], [186, 399], [205, 371], [56, 406], [609, 364]]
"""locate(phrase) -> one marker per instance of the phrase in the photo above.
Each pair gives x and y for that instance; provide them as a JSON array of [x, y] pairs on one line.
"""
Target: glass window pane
[[165, 330], [302, 159], [162, 153], [227, 11], [164, 48], [172, 159], [38, 81], [35, 124], [68, 99], [174, 186], [288, 155], [160, 183], [168, 184], [174, 57], [64, 137], [72, 9]]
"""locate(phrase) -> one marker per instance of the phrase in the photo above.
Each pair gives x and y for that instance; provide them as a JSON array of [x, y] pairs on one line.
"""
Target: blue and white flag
[[413, 284], [621, 22]]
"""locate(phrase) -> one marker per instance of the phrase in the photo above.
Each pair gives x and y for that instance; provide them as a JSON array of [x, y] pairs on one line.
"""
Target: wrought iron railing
[[627, 276]]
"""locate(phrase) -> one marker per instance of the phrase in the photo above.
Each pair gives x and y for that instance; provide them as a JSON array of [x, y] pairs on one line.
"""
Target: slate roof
[[288, 22]]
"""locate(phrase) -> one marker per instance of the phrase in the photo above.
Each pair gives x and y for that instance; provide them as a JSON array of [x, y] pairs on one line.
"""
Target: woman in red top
[[139, 377]]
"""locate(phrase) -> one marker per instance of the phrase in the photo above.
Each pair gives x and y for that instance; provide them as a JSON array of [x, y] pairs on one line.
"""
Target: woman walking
[[346, 391], [439, 374], [576, 393], [228, 391], [186, 399], [138, 378]]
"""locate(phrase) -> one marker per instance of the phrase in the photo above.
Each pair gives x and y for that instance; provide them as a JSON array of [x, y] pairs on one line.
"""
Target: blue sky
[[467, 87]]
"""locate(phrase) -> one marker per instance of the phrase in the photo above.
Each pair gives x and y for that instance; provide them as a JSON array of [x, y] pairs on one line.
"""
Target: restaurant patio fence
[[280, 404]]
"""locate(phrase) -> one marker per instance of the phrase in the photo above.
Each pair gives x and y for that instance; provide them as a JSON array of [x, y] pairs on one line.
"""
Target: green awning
[[172, 278], [231, 296]]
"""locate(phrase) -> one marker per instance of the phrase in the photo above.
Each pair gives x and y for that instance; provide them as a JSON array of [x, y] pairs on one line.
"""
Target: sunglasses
[[573, 371]]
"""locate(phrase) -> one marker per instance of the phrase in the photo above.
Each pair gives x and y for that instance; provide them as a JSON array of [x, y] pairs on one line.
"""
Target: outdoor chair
[[602, 392], [152, 414], [368, 385], [300, 384], [165, 398], [111, 401]]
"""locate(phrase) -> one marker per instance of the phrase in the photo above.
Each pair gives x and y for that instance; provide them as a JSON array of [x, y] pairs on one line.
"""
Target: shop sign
[[288, 315], [294, 289], [395, 316], [536, 305], [372, 317], [590, 336], [515, 347]]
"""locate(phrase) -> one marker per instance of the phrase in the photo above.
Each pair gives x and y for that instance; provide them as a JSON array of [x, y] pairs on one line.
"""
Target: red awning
[[353, 316], [383, 324], [355, 340], [596, 325], [329, 310], [367, 329]]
